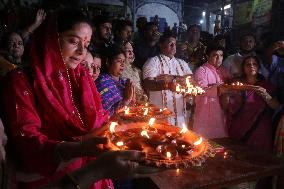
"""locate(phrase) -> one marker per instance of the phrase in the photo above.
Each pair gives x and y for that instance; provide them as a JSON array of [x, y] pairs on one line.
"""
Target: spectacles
[[15, 43]]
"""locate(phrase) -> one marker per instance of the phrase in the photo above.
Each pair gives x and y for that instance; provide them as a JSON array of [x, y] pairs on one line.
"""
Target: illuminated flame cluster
[[189, 89], [238, 83], [144, 132]]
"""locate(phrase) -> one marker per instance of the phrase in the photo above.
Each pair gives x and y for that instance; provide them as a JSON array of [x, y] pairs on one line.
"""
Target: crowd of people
[[65, 75]]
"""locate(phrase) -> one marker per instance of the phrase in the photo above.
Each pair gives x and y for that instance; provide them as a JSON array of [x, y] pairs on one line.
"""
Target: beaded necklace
[[163, 92], [70, 87]]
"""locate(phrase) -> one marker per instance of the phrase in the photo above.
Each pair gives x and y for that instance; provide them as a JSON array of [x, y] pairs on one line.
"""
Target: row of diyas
[[164, 145], [143, 112], [189, 88]]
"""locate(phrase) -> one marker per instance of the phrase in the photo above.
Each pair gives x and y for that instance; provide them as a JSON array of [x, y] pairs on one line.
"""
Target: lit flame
[[194, 91], [112, 126], [146, 111], [189, 90], [119, 143], [161, 110], [198, 142], [200, 90], [183, 146], [146, 104], [169, 155], [238, 83], [151, 121], [178, 89], [145, 133], [184, 129], [187, 80], [126, 110]]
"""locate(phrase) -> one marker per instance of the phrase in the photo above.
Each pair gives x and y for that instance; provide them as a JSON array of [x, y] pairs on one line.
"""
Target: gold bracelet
[[73, 181]]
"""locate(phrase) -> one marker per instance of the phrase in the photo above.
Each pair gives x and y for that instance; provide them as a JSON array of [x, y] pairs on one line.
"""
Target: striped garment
[[111, 91]]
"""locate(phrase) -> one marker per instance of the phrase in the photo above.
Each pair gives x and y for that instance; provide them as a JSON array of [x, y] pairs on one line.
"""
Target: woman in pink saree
[[53, 115], [251, 111]]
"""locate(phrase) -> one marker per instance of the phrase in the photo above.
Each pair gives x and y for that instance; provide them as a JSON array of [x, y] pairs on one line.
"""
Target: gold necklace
[[70, 87]]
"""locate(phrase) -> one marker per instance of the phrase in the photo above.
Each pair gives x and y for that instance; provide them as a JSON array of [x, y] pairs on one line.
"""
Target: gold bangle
[[73, 181]]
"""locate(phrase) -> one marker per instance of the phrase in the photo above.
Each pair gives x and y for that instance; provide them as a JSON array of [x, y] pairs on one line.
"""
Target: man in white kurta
[[165, 67]]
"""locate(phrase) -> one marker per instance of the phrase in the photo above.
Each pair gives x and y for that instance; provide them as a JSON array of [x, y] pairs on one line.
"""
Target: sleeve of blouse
[[30, 145], [201, 78]]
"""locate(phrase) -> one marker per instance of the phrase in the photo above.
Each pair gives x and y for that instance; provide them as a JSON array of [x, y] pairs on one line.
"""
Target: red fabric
[[39, 112]]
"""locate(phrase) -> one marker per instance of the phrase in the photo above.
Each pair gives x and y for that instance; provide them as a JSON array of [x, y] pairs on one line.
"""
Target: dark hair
[[5, 39], [141, 21], [149, 25], [112, 52], [259, 76], [101, 19], [219, 37], [121, 24], [67, 18], [166, 36], [194, 26], [248, 35], [123, 43], [96, 55], [213, 47]]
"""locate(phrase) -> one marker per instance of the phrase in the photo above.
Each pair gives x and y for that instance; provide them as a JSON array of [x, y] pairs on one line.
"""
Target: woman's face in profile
[[251, 67], [74, 43], [117, 65], [129, 52]]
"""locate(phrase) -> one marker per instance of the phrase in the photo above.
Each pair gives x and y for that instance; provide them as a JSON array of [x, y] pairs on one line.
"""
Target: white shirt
[[159, 65], [233, 64]]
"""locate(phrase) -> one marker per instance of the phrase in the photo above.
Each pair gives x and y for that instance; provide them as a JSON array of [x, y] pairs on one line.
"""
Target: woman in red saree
[[53, 115]]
